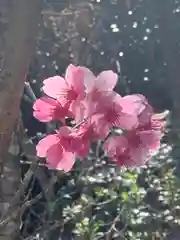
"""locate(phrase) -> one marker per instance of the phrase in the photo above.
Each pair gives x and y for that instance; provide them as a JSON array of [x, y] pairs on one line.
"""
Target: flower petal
[[115, 145], [89, 78], [78, 109], [106, 80], [138, 105], [45, 144], [54, 86], [101, 127], [67, 161], [54, 156], [137, 157], [48, 109], [150, 139], [83, 149], [75, 78], [64, 131], [127, 121], [133, 103]]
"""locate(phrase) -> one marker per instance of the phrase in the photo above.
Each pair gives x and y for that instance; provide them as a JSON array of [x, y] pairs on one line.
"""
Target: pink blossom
[[96, 108], [84, 135], [137, 104], [48, 109], [69, 91], [116, 148], [58, 149], [105, 81], [134, 148], [110, 112], [96, 89]]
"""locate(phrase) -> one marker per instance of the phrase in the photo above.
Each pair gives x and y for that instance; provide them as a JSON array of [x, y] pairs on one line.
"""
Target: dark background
[[139, 39]]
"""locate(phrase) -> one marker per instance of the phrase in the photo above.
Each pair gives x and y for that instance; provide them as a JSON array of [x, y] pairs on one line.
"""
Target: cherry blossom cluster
[[97, 110]]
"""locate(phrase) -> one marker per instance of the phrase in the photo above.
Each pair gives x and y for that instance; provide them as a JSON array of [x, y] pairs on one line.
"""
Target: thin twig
[[21, 190], [13, 214], [109, 233]]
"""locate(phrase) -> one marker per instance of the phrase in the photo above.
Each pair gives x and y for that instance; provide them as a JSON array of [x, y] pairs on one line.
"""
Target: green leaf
[[124, 196]]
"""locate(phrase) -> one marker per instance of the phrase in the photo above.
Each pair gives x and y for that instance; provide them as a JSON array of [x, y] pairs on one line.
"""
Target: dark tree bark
[[17, 41]]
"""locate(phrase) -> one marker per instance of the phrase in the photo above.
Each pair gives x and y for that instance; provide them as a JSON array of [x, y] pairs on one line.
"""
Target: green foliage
[[136, 204]]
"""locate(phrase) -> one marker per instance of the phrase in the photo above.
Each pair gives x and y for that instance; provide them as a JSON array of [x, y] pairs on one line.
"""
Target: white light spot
[[83, 39], [143, 214], [39, 134], [102, 53], [145, 18], [177, 10], [121, 54], [148, 30], [146, 70], [139, 221], [169, 218], [146, 79], [129, 12], [156, 26], [98, 1], [115, 30], [135, 24], [113, 25], [33, 81], [145, 38], [136, 211]]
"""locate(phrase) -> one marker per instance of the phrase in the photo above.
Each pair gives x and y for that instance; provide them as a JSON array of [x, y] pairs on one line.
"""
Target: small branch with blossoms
[[96, 109]]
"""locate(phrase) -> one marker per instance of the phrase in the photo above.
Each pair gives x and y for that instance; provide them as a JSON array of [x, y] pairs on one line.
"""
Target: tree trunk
[[18, 44]]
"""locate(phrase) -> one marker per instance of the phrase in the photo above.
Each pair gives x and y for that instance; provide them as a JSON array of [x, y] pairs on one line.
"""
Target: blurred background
[[140, 40]]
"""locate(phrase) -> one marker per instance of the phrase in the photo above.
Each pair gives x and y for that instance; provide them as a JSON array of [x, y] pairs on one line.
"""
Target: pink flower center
[[66, 142], [95, 94], [134, 140], [72, 95], [122, 160], [111, 116], [87, 132]]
